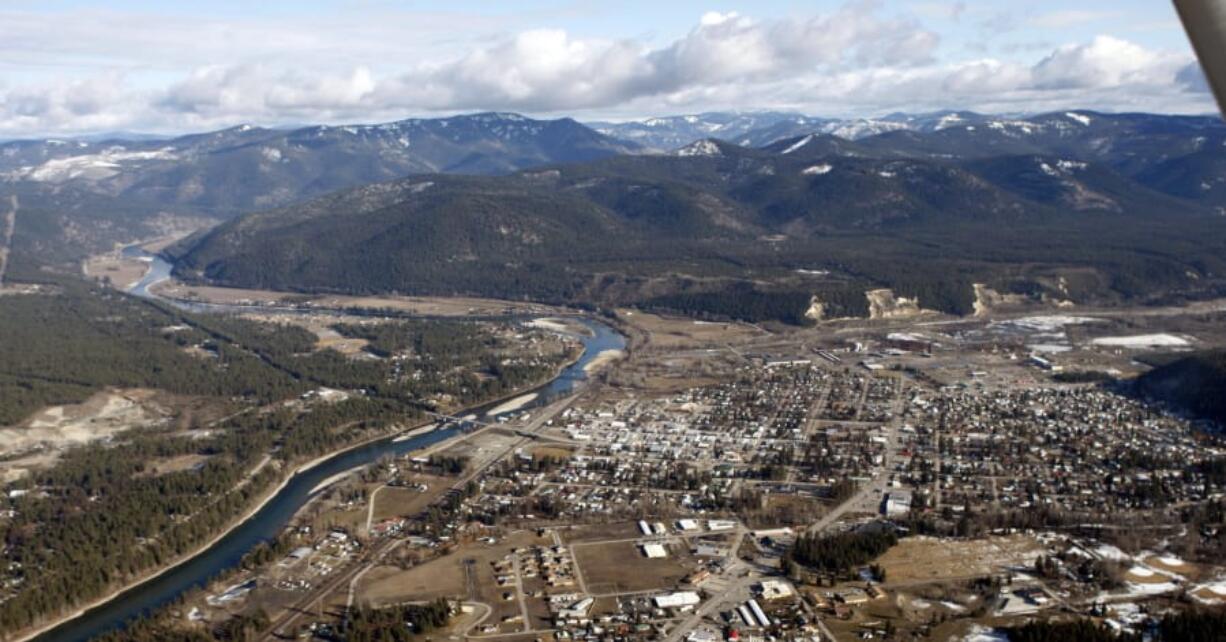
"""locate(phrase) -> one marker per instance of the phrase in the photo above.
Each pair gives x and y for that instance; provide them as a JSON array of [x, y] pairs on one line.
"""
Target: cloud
[[548, 70], [1105, 61], [855, 60], [255, 89], [1069, 18], [1192, 78]]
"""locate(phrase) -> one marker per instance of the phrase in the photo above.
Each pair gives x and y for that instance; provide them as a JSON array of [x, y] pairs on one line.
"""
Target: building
[[676, 600], [776, 590], [898, 502], [655, 551], [577, 610]]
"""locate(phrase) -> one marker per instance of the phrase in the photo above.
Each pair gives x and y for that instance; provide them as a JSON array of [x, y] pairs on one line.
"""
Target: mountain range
[[766, 208], [722, 229]]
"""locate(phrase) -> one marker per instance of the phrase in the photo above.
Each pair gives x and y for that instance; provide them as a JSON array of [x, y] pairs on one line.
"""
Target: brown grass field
[[620, 567]]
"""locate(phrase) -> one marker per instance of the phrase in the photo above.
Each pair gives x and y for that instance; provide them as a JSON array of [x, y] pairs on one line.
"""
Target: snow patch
[[1109, 552], [700, 148], [817, 170], [1143, 341], [104, 164], [798, 144], [1081, 118], [418, 188], [1045, 323], [984, 634], [947, 121]]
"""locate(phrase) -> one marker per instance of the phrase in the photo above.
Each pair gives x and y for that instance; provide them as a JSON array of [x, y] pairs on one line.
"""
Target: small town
[[799, 494]]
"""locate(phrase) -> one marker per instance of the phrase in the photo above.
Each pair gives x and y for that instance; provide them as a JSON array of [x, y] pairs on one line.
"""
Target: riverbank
[[196, 552], [265, 500], [603, 359]]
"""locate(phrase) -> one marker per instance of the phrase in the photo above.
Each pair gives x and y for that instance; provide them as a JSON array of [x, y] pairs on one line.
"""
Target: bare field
[[425, 306], [620, 567], [209, 294], [557, 452], [123, 273], [927, 559], [167, 465], [441, 577], [680, 332], [599, 532], [330, 339], [447, 576], [102, 415], [398, 501]]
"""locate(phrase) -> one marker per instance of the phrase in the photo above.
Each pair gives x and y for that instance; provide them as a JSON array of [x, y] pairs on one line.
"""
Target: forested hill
[[79, 197], [1196, 383], [722, 230]]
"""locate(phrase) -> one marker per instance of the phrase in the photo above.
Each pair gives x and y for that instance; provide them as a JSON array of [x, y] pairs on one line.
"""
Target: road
[[868, 498], [519, 594], [737, 590]]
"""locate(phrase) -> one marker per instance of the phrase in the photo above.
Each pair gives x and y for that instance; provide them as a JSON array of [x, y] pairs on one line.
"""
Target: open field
[[680, 332], [330, 339], [122, 272], [401, 501], [599, 532], [925, 559], [449, 576], [620, 567], [166, 465], [103, 415], [424, 306]]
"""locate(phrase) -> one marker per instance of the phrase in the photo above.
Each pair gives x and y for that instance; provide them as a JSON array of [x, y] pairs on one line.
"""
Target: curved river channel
[[274, 515]]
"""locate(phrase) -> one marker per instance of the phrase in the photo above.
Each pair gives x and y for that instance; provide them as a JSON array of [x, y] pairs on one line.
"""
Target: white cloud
[[1069, 18], [1106, 61], [853, 60]]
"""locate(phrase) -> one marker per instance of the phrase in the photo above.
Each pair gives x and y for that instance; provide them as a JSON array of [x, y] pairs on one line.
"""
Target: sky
[[69, 67]]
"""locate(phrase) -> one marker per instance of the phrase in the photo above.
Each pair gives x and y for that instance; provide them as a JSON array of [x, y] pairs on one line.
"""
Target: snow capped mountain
[[247, 167], [672, 132], [705, 147]]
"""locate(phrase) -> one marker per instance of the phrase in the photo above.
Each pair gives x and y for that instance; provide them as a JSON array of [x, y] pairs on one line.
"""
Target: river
[[276, 514]]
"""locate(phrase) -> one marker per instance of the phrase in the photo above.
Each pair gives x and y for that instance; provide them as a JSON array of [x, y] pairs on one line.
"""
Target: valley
[[804, 365], [542, 504]]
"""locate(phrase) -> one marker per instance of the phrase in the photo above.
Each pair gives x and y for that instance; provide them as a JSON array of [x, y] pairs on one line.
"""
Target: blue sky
[[69, 66]]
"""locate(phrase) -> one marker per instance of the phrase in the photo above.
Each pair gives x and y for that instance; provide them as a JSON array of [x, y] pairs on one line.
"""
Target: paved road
[[735, 591], [868, 498]]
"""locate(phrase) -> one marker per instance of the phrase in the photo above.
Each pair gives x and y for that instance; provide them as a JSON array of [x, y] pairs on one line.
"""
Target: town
[[885, 484]]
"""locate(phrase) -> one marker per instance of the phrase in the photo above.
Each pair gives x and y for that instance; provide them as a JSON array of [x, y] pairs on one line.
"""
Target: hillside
[[719, 229], [245, 168], [85, 195], [1195, 383]]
